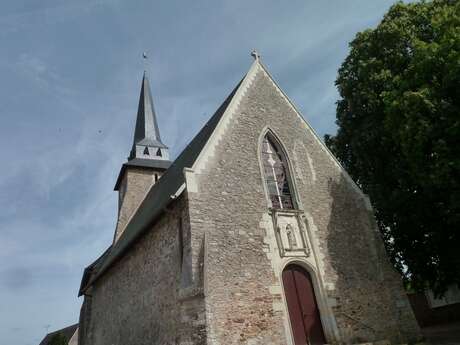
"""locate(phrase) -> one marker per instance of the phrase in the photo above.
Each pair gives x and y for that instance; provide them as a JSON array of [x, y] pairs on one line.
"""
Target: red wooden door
[[303, 310]]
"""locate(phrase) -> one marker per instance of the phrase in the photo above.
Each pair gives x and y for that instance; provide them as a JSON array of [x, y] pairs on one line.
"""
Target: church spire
[[147, 142], [147, 162]]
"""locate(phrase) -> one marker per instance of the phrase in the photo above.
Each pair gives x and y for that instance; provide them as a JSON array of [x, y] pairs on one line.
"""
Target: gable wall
[[140, 299], [228, 211]]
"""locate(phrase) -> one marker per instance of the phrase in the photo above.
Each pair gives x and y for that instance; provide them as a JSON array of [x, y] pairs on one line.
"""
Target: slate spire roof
[[146, 133], [148, 151]]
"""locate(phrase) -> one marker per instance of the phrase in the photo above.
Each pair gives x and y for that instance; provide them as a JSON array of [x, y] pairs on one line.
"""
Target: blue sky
[[70, 79]]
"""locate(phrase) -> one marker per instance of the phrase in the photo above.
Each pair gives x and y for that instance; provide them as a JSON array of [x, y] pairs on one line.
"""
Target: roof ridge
[[63, 331]]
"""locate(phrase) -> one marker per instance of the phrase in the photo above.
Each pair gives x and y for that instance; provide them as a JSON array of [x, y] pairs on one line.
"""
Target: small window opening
[[156, 177], [146, 151], [159, 153]]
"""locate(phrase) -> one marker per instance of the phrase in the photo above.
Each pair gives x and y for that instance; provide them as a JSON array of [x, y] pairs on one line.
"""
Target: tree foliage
[[399, 135]]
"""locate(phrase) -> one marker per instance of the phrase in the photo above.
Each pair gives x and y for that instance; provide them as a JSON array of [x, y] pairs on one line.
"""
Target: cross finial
[[255, 54]]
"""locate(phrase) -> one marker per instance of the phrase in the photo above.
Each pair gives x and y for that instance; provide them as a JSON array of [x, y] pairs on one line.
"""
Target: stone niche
[[290, 233]]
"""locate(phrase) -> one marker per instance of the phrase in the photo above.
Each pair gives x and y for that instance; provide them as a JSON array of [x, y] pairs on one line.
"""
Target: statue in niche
[[291, 237]]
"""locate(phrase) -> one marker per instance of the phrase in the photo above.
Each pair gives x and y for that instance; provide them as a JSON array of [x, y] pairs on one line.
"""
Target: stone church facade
[[253, 235]]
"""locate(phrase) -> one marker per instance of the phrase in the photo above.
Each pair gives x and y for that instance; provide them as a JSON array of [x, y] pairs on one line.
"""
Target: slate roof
[[67, 332], [160, 195], [147, 131], [146, 134], [90, 271]]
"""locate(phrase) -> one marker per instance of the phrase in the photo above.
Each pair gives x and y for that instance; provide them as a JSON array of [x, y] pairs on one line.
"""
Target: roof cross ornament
[[255, 54]]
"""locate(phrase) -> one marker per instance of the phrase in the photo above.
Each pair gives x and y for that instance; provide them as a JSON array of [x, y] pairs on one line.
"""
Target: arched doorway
[[303, 309]]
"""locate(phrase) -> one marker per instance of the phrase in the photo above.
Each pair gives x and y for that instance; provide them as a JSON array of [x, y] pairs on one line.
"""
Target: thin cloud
[[17, 20], [38, 71]]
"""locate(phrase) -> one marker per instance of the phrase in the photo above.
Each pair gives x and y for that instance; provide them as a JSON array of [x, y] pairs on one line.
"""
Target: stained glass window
[[276, 175]]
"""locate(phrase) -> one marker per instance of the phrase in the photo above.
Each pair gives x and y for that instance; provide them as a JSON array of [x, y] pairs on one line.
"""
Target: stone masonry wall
[[363, 295], [134, 186], [141, 299]]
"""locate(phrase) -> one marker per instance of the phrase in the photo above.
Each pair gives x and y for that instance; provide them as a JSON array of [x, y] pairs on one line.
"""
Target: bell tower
[[147, 161]]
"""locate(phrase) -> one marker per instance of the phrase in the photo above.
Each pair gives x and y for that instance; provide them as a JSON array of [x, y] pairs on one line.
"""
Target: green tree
[[399, 135]]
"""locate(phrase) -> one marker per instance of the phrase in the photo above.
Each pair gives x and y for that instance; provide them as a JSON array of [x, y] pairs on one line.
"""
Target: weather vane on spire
[[144, 59]]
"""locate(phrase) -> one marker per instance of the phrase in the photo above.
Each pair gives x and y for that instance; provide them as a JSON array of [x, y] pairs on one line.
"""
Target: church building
[[254, 234]]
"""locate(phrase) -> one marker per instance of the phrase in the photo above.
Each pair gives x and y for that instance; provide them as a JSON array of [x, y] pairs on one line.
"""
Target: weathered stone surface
[[134, 186], [140, 300], [242, 265]]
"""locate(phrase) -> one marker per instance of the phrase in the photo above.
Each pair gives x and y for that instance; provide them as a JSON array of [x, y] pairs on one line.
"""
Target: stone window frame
[[275, 139]]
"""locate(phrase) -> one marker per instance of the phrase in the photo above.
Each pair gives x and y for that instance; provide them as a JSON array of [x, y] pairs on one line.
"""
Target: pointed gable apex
[[225, 119], [247, 82]]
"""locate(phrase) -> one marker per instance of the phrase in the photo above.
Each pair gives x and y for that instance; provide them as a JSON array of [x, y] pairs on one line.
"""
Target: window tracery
[[276, 175]]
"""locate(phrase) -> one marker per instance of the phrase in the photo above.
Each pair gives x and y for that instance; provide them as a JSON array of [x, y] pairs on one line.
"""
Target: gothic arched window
[[276, 175]]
